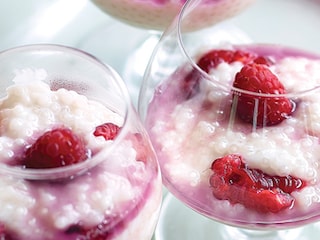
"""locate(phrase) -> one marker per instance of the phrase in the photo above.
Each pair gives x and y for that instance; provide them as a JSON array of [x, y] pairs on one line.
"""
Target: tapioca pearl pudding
[[190, 131], [104, 198], [157, 15]]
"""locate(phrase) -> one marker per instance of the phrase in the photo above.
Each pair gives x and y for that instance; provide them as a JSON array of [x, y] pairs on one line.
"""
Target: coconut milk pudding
[[158, 14], [242, 147], [109, 200]]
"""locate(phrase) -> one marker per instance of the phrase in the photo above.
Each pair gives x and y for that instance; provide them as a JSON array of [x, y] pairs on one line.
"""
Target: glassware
[[76, 162], [137, 30], [234, 122]]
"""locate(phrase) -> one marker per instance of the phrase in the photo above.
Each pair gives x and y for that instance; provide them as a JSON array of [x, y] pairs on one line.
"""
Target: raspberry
[[55, 148], [263, 60], [107, 130], [213, 58], [260, 110], [233, 180], [190, 85]]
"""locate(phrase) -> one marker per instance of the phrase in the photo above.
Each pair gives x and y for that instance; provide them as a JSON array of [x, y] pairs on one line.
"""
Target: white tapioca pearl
[[194, 178]]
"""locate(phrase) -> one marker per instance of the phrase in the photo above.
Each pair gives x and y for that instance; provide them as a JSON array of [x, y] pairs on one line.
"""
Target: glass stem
[[246, 234]]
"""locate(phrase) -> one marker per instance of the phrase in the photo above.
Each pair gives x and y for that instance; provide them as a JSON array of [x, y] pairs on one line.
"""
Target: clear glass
[[235, 130], [111, 192]]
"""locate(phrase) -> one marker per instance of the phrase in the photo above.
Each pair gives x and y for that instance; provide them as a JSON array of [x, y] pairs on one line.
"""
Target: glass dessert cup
[[234, 125], [76, 162], [137, 30]]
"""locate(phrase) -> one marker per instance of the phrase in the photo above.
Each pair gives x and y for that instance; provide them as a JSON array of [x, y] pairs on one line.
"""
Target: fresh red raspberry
[[263, 60], [257, 109], [210, 60], [107, 130], [213, 58], [234, 181], [56, 148]]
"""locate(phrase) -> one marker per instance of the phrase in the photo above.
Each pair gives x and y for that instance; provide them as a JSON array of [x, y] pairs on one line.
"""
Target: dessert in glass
[[137, 28], [235, 126], [76, 162]]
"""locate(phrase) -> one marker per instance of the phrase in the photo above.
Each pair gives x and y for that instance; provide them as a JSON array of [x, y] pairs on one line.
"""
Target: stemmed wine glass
[[234, 122], [76, 161], [128, 42]]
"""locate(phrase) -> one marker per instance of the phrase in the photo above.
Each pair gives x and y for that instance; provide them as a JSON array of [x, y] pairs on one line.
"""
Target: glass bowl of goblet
[[234, 122], [76, 162]]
